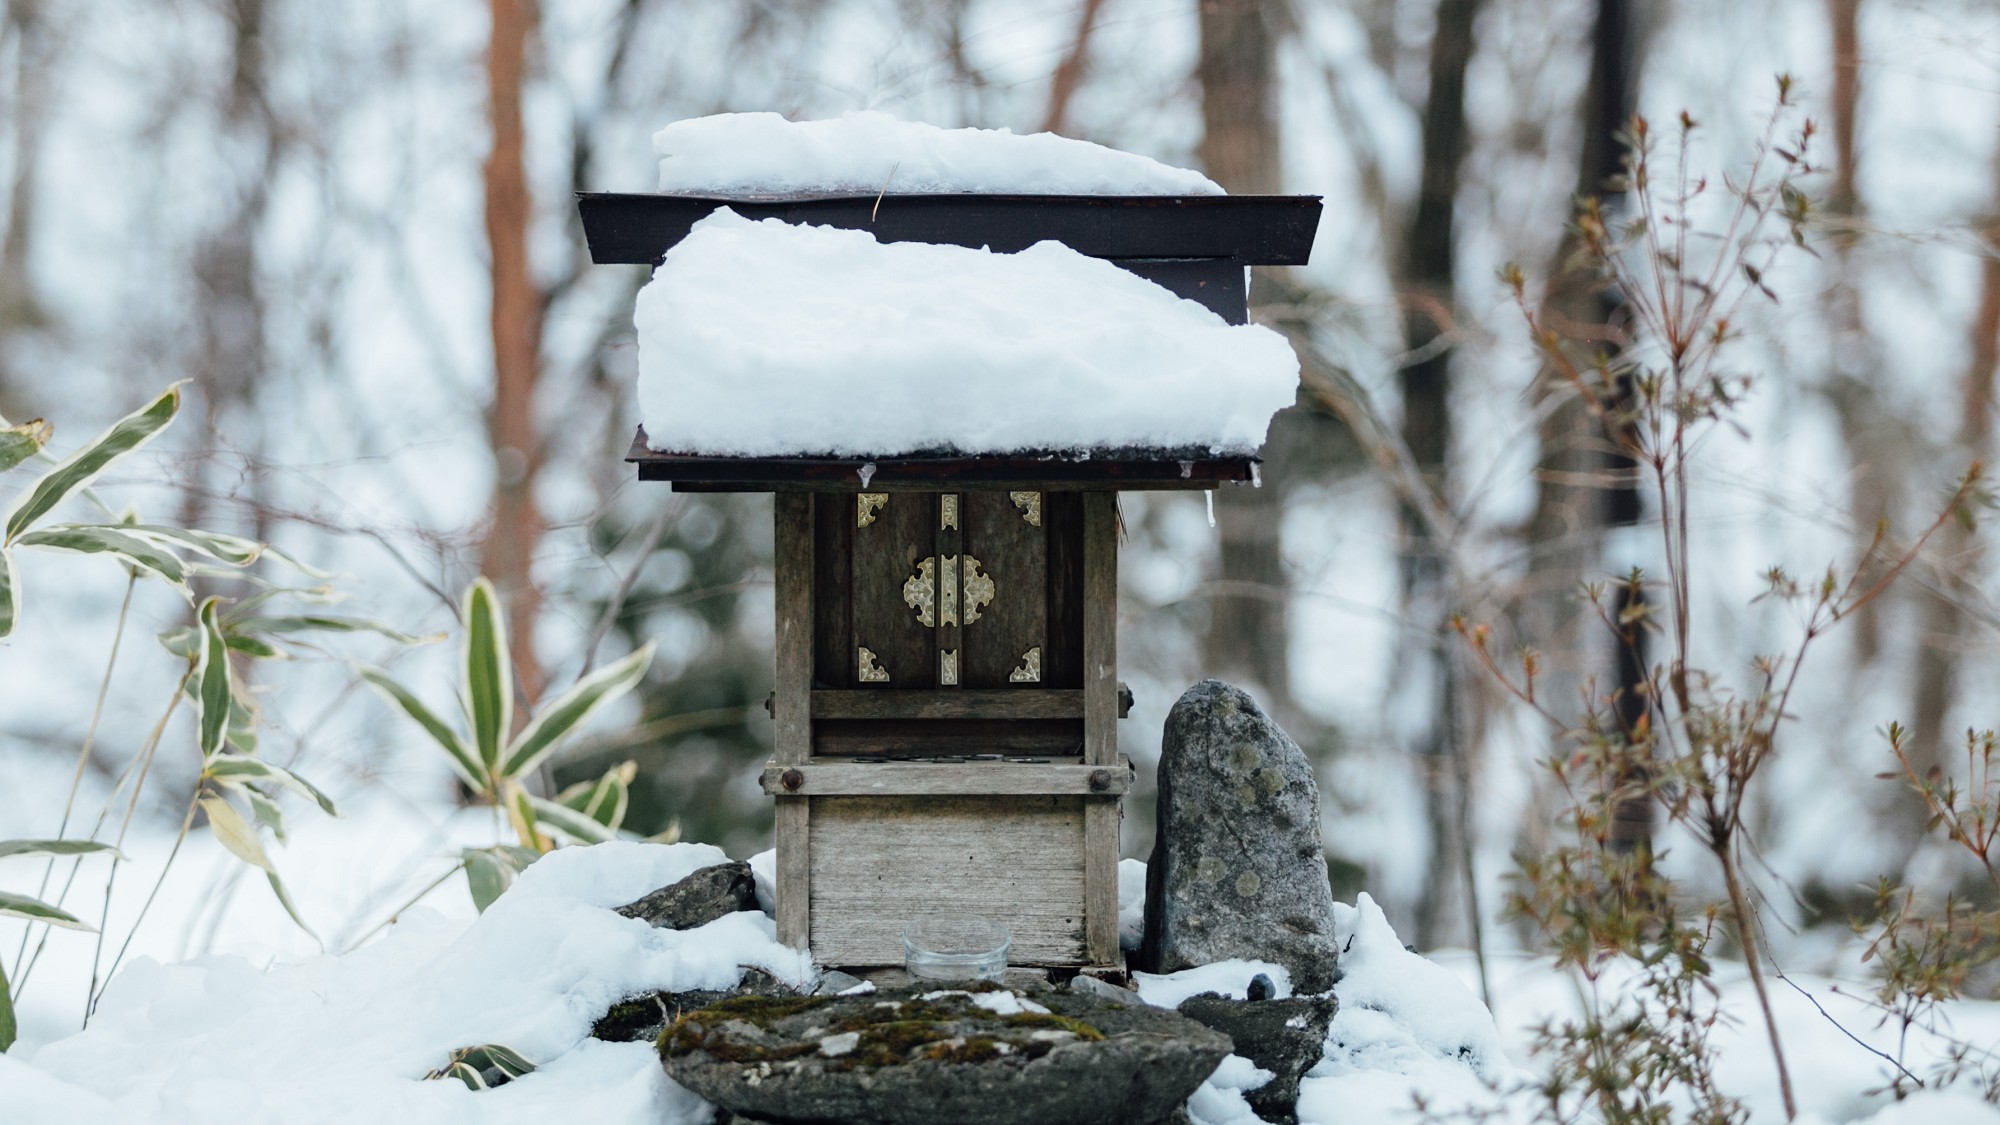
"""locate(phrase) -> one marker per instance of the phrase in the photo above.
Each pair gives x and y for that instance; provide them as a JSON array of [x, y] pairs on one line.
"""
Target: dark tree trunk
[[1584, 486], [1428, 599]]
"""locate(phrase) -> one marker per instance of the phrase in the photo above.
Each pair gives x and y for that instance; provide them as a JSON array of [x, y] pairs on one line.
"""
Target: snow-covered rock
[[764, 154], [768, 339]]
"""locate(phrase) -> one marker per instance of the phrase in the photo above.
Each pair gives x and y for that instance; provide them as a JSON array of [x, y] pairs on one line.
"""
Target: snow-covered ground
[[348, 1038]]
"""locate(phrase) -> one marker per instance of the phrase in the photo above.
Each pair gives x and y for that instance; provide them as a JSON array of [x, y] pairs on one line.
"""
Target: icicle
[[1187, 469], [1256, 474], [1209, 495], [867, 473]]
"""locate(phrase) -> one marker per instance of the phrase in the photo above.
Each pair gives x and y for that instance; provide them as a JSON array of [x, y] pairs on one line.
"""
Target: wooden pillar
[[1100, 723], [792, 708]]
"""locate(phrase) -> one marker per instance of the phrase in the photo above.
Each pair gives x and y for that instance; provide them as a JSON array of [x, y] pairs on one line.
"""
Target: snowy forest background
[[313, 213]]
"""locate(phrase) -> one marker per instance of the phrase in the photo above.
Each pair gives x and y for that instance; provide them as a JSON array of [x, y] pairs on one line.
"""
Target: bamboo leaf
[[232, 549], [239, 770], [56, 847], [213, 698], [487, 876], [285, 625], [568, 821], [462, 761], [86, 464], [291, 908], [17, 444], [10, 592], [266, 810], [96, 539], [488, 680], [569, 710], [509, 1061], [235, 833], [35, 910], [8, 1028], [521, 810]]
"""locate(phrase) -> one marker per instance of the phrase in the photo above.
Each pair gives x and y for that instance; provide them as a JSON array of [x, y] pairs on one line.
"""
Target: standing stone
[[1238, 868]]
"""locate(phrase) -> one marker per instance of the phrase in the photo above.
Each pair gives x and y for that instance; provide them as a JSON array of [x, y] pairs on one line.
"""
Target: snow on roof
[[764, 154], [763, 339]]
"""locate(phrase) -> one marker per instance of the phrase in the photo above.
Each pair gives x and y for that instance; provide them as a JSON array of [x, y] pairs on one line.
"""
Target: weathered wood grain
[[792, 564], [1031, 737], [1015, 555], [917, 779], [833, 590], [886, 553], [878, 862], [1062, 523], [1101, 819], [793, 890], [971, 703], [1100, 626]]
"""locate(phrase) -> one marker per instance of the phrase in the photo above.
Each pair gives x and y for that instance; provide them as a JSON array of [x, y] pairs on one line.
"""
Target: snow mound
[[1406, 1025], [764, 154], [1131, 904], [769, 339], [345, 1039]]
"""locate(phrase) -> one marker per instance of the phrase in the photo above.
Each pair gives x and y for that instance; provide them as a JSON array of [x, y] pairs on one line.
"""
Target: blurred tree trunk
[[1959, 559], [1876, 452], [1428, 599], [26, 35], [1248, 635], [1069, 73], [1584, 487], [507, 556], [232, 356]]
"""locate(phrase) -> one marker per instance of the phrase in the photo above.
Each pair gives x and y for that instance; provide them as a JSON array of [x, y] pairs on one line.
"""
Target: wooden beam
[[970, 779], [970, 703]]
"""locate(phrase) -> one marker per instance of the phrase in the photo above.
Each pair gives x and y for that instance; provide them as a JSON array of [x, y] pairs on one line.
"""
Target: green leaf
[[568, 711], [17, 444], [239, 770], [488, 874], [10, 592], [235, 833], [462, 761], [35, 910], [291, 908], [488, 680], [95, 539], [468, 1074], [8, 1028], [86, 464], [232, 549], [605, 799], [56, 847], [286, 625], [213, 699], [569, 822], [266, 810], [509, 1061]]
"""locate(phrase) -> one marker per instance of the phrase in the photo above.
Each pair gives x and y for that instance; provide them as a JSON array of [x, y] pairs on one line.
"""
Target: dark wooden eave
[[1254, 230], [1123, 470]]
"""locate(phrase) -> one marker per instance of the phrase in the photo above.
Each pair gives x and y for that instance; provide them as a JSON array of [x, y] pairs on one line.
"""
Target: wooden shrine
[[946, 694]]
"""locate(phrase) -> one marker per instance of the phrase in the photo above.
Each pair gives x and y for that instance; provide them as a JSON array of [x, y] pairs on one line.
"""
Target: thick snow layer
[[767, 339], [347, 1039], [1220, 1100], [1405, 1026], [764, 154]]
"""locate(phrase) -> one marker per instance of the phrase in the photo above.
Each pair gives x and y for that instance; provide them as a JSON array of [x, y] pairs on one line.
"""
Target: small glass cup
[[955, 947]]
